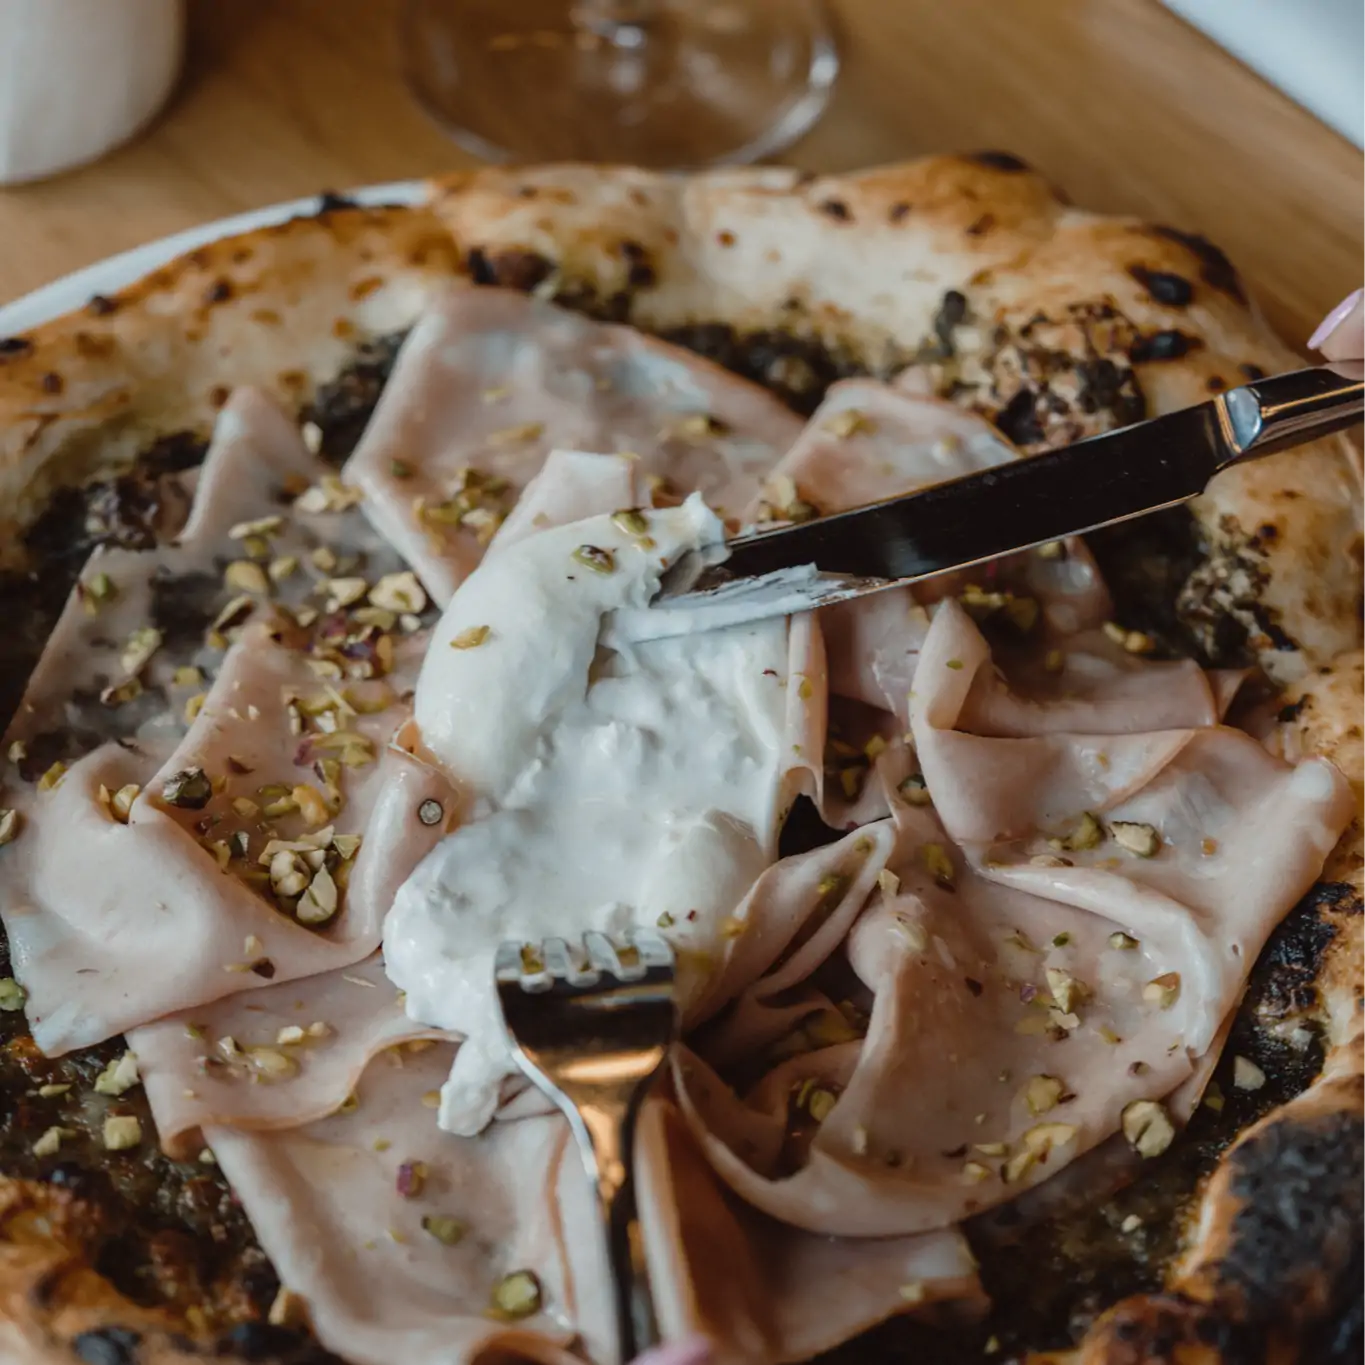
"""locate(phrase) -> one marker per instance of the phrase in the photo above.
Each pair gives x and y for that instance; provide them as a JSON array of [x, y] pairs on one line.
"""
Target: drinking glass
[[661, 83]]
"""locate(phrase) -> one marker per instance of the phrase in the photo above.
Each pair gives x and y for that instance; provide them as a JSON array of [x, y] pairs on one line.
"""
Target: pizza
[[1018, 914]]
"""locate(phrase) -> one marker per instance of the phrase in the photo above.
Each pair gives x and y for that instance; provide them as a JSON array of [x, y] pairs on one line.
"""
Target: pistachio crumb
[[1162, 991], [1140, 839], [1246, 1075], [1043, 1093], [121, 1131], [516, 1296], [471, 638], [9, 826], [119, 1076], [12, 995], [1148, 1127], [1124, 942]]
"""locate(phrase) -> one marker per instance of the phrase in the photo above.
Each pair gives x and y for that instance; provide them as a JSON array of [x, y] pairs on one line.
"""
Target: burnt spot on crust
[[1164, 287], [13, 347], [262, 1343], [998, 161], [123, 511], [1167, 344], [981, 226], [1162, 1329], [836, 209], [640, 272], [898, 212], [1252, 372], [220, 291], [1284, 984], [513, 269], [100, 305], [1214, 267]]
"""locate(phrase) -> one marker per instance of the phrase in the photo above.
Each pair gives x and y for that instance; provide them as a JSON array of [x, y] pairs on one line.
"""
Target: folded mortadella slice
[[189, 762], [763, 1291], [396, 1236], [277, 1058], [491, 380], [1060, 935]]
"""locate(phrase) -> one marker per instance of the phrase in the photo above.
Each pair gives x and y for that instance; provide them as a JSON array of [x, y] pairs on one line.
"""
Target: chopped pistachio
[[312, 807], [524, 431], [312, 437], [874, 746], [130, 689], [48, 1092], [1148, 1126], [119, 1076], [631, 521], [1143, 840], [1043, 1137], [1107, 1035], [1124, 942], [12, 995], [847, 422], [1131, 1223], [1042, 1093], [289, 1035], [50, 779], [974, 1172], [283, 567], [938, 864], [142, 644], [1018, 1165], [51, 1140], [1067, 990], [1246, 1075], [914, 792], [399, 592], [471, 638], [412, 1177], [319, 902], [345, 592], [1162, 991], [1054, 661], [193, 706], [445, 1229], [431, 1099], [1050, 860], [289, 875], [912, 1292], [1213, 1097], [595, 558], [1136, 642], [1050, 549], [991, 1148], [245, 575], [955, 663], [1089, 833], [400, 469], [189, 789], [888, 882], [820, 1102], [271, 1064], [517, 1295], [9, 826], [1022, 613], [346, 846], [99, 589], [1115, 632], [18, 751], [121, 1131]]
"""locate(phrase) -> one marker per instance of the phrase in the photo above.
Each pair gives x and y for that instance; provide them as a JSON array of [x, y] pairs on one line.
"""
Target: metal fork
[[592, 1034]]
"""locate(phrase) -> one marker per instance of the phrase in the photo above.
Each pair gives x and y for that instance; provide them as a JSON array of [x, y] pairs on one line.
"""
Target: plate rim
[[112, 273]]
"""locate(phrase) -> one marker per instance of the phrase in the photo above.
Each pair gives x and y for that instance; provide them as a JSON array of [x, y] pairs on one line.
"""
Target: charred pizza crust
[[970, 276]]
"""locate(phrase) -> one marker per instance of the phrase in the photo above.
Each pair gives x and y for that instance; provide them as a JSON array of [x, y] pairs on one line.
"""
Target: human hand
[[1341, 334]]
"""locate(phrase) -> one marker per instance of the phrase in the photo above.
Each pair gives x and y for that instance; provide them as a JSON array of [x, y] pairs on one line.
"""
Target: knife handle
[[1287, 410]]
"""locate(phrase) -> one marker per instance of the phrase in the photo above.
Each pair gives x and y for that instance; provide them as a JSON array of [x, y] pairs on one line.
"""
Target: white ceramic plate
[[117, 272]]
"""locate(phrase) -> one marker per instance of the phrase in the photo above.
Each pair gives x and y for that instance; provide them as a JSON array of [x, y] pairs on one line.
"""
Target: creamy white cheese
[[603, 787]]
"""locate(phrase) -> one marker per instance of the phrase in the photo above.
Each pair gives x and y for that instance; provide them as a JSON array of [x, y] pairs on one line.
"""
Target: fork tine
[[653, 948], [555, 954], [602, 955], [507, 961]]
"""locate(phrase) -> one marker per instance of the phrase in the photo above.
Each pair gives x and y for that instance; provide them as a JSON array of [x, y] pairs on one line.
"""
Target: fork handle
[[606, 1134]]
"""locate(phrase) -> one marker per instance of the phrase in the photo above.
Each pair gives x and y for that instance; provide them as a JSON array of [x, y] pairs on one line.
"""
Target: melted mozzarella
[[603, 787]]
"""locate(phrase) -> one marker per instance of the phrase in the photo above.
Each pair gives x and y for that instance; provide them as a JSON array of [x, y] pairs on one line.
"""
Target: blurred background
[[1125, 103]]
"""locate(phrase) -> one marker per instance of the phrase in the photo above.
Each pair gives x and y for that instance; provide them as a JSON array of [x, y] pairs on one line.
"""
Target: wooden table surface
[[1116, 100]]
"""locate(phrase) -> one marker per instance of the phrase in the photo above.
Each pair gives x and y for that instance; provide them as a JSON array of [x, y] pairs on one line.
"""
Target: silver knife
[[1082, 487]]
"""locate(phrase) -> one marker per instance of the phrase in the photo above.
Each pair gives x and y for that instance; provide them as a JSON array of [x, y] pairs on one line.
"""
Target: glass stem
[[608, 18]]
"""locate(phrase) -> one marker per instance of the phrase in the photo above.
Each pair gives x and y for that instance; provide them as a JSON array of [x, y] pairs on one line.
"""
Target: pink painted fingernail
[[693, 1351], [1333, 320]]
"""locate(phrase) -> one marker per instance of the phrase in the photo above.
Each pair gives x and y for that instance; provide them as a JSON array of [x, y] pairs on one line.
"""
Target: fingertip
[[1341, 334]]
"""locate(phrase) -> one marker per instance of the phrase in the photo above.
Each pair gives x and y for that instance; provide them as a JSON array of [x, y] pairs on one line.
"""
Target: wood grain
[[1119, 102]]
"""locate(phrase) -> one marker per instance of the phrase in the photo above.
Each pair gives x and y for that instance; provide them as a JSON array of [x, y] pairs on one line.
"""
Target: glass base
[[676, 84]]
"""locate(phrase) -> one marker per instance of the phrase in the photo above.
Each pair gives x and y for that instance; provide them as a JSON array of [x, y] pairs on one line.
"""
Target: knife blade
[[1032, 501]]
